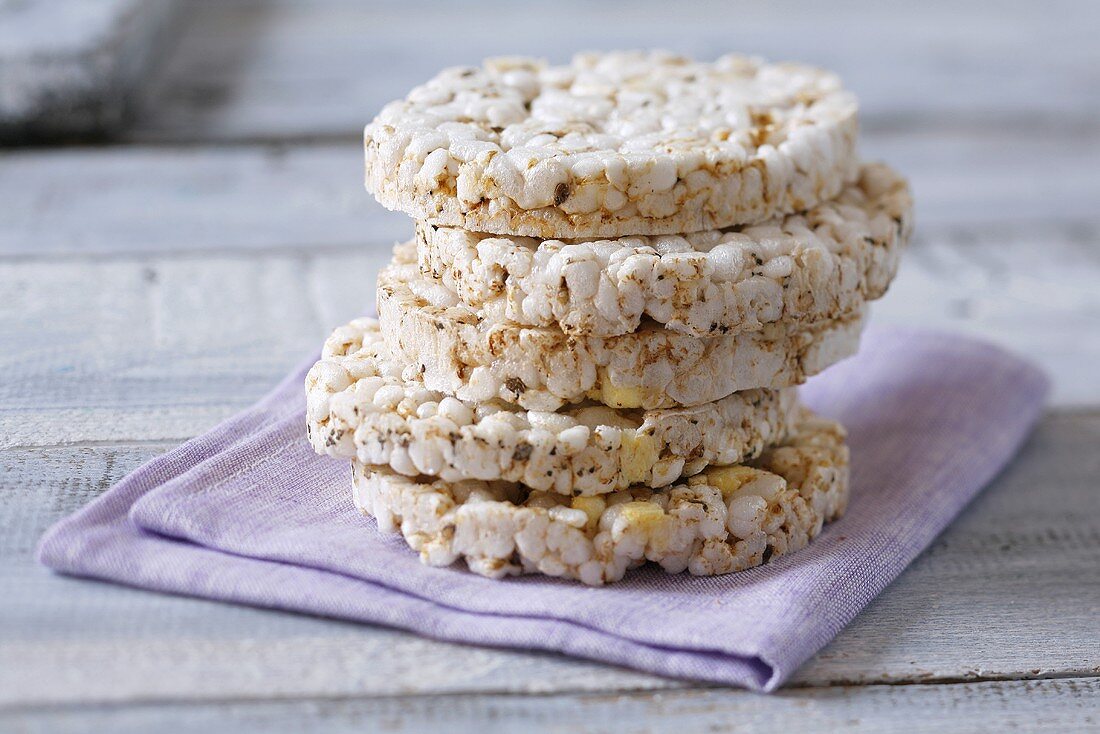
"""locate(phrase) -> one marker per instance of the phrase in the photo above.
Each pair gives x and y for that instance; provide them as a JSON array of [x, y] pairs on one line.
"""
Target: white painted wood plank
[[996, 179], [144, 350], [1056, 706], [248, 70], [1007, 592], [1032, 293], [108, 200], [147, 199]]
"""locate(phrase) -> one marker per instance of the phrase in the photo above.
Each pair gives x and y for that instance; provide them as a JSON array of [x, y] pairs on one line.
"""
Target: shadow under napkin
[[248, 513]]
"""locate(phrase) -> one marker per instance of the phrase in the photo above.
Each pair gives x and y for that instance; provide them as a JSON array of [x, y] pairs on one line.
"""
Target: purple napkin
[[248, 513]]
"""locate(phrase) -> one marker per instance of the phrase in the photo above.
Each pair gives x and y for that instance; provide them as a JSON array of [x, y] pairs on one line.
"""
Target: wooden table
[[152, 287]]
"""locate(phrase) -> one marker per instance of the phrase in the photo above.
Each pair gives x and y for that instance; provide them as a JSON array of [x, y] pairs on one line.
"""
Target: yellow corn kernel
[[637, 454], [729, 479], [591, 506], [619, 396], [641, 514]]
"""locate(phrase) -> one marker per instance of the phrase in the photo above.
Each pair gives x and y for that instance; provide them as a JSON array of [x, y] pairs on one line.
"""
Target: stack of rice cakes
[[622, 267]]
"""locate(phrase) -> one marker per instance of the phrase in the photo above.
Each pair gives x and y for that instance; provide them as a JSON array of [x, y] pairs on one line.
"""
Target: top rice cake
[[615, 144]]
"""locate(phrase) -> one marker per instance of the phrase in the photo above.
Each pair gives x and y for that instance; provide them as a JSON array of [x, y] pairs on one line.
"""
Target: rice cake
[[460, 354], [613, 144], [362, 403], [720, 521], [806, 267]]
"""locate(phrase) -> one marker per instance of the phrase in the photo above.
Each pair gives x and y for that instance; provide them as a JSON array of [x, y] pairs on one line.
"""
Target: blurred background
[[199, 162]]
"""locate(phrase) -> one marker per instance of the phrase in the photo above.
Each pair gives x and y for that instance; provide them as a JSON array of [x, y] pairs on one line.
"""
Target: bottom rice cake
[[722, 520], [363, 403], [541, 368]]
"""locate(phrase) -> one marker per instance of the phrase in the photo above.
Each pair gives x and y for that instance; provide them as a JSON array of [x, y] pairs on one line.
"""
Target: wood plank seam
[[973, 235], [169, 443], [1088, 682]]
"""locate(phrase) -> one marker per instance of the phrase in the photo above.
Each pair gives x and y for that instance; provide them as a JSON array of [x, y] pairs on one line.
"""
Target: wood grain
[[1061, 706]]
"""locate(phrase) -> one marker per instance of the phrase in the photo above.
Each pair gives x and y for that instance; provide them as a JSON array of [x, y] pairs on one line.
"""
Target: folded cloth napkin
[[248, 513]]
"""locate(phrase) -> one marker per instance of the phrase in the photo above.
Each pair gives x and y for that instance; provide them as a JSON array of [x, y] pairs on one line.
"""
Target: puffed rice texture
[[806, 267], [362, 403], [613, 144], [721, 521], [540, 368]]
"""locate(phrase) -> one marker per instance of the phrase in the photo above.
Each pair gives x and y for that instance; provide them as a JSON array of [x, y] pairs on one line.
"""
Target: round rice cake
[[723, 520], [541, 368], [805, 267], [613, 144], [362, 403]]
